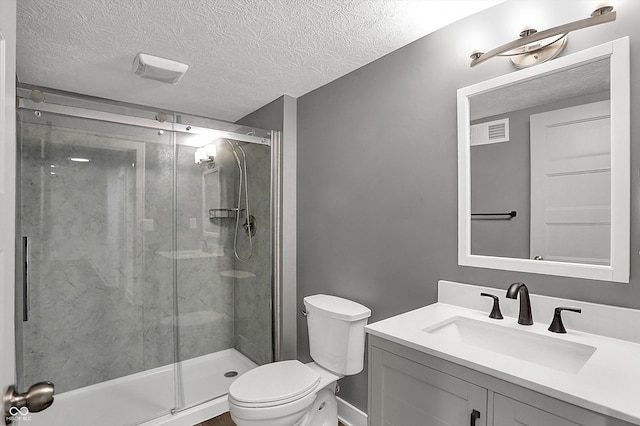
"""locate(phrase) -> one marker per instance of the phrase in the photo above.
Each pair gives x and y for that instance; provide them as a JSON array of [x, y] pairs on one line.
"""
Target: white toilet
[[290, 393]]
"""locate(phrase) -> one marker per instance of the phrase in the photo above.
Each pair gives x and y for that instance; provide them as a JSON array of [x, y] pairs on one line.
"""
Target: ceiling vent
[[160, 69], [490, 132]]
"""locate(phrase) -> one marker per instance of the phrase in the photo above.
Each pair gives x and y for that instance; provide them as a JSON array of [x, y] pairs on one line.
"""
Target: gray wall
[[269, 117], [500, 174], [377, 172]]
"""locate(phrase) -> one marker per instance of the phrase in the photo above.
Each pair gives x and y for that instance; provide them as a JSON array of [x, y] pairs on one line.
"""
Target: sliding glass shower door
[[145, 270], [224, 278], [95, 210]]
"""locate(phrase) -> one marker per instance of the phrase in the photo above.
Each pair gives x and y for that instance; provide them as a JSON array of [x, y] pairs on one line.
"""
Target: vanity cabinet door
[[405, 393], [508, 412]]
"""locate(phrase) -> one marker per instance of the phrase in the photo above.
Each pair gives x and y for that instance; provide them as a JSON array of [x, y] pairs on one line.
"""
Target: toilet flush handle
[[304, 313]]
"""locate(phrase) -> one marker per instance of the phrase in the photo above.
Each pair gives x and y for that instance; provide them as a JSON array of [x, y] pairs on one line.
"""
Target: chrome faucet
[[515, 289]]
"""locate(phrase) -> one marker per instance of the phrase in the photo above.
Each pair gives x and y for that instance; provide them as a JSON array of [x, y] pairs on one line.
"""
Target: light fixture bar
[[600, 16]]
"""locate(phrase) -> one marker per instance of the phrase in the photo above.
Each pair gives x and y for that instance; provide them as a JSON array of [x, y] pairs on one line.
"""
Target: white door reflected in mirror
[[571, 184]]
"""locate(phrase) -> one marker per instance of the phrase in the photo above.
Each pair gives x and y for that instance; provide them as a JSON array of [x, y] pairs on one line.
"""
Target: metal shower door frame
[[273, 141]]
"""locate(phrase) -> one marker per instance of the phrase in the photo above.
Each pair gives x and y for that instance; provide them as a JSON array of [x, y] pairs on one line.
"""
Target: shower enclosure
[[146, 281]]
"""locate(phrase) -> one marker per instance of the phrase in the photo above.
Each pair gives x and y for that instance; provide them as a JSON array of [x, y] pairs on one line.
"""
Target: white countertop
[[609, 382]]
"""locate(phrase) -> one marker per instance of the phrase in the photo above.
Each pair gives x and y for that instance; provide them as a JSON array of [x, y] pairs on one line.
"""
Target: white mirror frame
[[618, 270]]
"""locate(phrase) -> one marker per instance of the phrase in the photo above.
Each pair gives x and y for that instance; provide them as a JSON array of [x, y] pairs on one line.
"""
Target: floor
[[225, 420], [221, 420]]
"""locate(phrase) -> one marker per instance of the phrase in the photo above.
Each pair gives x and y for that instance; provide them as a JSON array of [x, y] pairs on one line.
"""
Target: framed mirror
[[544, 168]]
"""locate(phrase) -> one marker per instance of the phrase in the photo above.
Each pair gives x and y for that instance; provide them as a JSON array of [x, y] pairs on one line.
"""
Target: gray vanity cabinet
[[509, 412], [408, 388], [404, 392]]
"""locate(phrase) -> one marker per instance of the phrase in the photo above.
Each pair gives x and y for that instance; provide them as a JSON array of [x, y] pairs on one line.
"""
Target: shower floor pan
[[137, 398]]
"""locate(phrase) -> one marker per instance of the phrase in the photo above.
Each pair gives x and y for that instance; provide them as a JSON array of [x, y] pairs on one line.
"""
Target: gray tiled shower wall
[[101, 238], [252, 301]]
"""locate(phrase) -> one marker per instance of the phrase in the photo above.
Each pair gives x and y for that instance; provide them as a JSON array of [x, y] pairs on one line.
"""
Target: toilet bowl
[[290, 393], [284, 393]]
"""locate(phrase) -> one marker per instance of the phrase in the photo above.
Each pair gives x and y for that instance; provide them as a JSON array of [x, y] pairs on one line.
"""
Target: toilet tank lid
[[337, 307]]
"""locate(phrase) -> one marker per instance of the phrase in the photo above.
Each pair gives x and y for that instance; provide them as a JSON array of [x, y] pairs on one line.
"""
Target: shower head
[[229, 146]]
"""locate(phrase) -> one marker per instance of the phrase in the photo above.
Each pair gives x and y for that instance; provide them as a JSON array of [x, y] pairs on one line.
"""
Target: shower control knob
[[250, 226]]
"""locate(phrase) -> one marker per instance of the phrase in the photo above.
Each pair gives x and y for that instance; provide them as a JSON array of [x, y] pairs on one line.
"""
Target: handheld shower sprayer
[[249, 225]]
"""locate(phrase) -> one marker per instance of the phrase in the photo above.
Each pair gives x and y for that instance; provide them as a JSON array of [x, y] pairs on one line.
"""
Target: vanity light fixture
[[534, 47]]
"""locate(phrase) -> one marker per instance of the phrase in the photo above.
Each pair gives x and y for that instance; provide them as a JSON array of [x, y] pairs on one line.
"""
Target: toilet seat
[[274, 384]]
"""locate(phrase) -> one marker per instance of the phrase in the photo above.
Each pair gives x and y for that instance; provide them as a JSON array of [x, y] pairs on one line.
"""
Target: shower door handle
[[26, 287], [18, 405]]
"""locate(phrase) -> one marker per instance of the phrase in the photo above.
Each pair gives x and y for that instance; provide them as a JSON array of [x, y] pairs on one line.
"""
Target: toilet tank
[[336, 332]]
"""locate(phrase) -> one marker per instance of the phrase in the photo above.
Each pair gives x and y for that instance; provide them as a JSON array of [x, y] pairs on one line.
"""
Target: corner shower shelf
[[224, 213]]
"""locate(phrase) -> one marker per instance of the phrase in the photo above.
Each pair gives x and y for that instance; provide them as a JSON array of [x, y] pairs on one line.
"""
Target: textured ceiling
[[584, 79], [241, 54]]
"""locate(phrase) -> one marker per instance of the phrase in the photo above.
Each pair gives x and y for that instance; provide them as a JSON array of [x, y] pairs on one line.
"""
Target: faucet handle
[[556, 325], [495, 311]]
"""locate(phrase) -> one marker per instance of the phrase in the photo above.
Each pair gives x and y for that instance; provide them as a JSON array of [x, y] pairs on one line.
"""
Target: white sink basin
[[565, 356]]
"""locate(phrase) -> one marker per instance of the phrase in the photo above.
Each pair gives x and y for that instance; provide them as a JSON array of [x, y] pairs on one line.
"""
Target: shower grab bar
[[510, 215], [26, 287]]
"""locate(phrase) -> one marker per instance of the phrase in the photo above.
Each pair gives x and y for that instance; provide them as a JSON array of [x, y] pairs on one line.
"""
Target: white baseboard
[[350, 415]]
